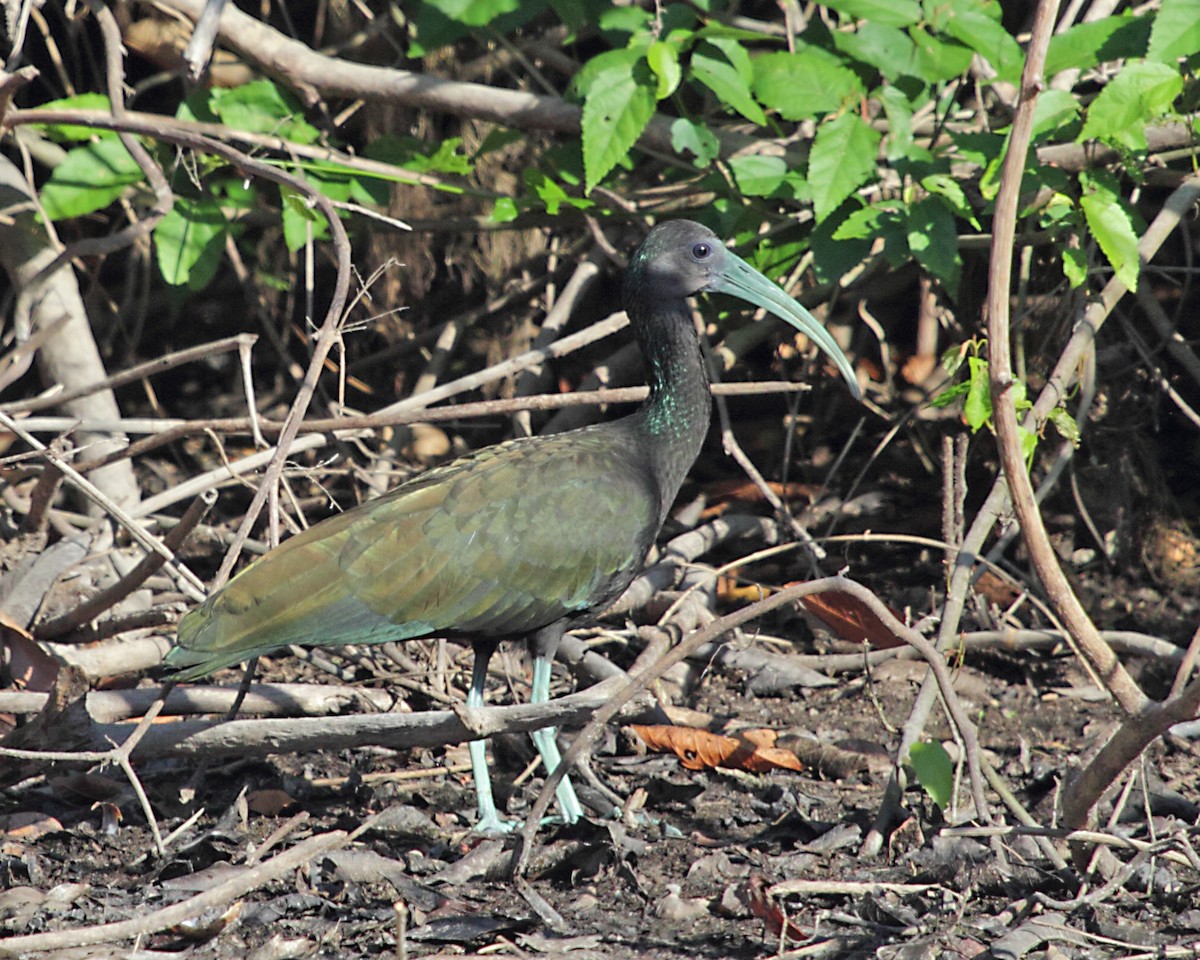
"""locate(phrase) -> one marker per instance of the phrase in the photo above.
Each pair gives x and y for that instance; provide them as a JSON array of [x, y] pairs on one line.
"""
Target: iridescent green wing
[[500, 543], [525, 533]]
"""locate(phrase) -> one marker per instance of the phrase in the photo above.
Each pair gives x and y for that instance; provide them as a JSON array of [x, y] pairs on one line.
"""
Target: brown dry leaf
[[851, 619], [752, 750], [918, 367], [996, 590], [269, 803], [30, 667], [28, 825], [763, 906], [722, 494]]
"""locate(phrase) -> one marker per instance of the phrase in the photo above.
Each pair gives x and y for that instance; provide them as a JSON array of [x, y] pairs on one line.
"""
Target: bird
[[522, 540]]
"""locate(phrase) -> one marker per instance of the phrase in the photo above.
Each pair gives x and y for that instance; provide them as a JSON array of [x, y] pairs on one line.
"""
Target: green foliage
[[619, 102], [976, 396], [90, 178], [877, 181], [934, 771], [189, 242], [805, 84], [67, 133], [1110, 224], [262, 106], [724, 67], [1176, 31], [1140, 94], [843, 158]]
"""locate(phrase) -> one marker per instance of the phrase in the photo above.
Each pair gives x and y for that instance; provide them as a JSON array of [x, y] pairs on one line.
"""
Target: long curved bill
[[741, 280]]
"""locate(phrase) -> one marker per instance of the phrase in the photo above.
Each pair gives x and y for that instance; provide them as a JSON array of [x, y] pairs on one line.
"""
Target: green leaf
[[977, 409], [933, 240], [505, 210], [1054, 109], [430, 28], [977, 148], [896, 105], [300, 221], [551, 192], [1087, 45], [887, 49], [1075, 266], [663, 59], [261, 106], [445, 159], [833, 257], [758, 175], [949, 395], [936, 59], [934, 770], [497, 139], [1066, 426], [1138, 95], [843, 158], [891, 13], [1176, 31], [945, 186], [869, 221], [1027, 440], [473, 13], [618, 23], [189, 242], [616, 109], [804, 84], [953, 357], [1109, 223], [990, 40], [696, 139], [89, 179], [66, 132], [724, 67]]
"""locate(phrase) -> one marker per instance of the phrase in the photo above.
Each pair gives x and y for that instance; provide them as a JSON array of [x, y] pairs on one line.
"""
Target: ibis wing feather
[[490, 545]]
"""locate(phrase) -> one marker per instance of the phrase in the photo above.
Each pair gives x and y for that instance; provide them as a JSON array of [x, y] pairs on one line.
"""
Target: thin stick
[[188, 581], [109, 597], [138, 372], [163, 919]]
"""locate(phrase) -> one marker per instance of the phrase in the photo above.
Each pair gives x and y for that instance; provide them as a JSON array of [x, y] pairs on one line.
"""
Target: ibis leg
[[542, 646], [489, 821]]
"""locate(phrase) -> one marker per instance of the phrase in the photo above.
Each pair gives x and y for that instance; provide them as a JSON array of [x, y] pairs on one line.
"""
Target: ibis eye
[[702, 251]]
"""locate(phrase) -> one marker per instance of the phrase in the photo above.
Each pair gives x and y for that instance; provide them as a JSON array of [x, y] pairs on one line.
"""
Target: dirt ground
[[721, 864]]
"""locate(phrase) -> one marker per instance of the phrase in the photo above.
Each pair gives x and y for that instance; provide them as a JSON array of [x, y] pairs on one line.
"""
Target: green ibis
[[522, 540]]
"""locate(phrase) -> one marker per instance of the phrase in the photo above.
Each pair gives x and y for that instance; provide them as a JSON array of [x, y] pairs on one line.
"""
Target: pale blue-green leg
[[489, 821], [547, 746]]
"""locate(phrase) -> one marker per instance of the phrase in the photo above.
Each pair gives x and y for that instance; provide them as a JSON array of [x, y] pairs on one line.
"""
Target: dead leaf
[[752, 750], [996, 590], [851, 619], [269, 803], [28, 825], [763, 906], [30, 667], [723, 494], [918, 367]]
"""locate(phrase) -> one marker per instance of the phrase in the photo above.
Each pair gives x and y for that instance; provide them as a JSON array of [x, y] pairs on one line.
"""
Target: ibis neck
[[674, 419]]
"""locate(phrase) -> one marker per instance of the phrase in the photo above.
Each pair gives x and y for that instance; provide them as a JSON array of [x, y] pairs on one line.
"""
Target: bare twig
[[109, 597], [242, 883]]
